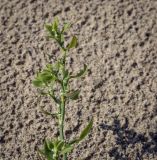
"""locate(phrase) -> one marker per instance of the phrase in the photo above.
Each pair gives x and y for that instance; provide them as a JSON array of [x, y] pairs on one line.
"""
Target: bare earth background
[[118, 41]]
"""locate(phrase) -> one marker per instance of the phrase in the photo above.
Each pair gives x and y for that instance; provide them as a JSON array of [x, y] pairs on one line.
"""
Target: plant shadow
[[130, 138]]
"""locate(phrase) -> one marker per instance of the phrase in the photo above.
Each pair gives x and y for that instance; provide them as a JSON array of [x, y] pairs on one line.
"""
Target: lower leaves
[[53, 149], [56, 148]]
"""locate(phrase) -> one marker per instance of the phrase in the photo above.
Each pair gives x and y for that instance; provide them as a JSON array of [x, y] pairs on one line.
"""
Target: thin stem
[[62, 115], [62, 108], [62, 122]]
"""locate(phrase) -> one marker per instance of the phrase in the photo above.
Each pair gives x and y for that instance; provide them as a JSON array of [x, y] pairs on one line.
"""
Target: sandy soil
[[118, 41]]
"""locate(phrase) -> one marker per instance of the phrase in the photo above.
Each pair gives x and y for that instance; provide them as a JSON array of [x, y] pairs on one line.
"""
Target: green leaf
[[81, 73], [55, 24], [47, 152], [73, 43], [48, 28], [73, 95], [60, 145], [55, 143], [50, 144], [66, 27], [49, 113], [54, 98], [62, 39], [85, 132], [67, 149], [49, 67], [74, 141], [46, 76], [37, 83], [66, 74], [50, 31]]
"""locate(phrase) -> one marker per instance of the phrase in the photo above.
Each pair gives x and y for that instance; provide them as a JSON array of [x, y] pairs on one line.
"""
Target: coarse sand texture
[[118, 42]]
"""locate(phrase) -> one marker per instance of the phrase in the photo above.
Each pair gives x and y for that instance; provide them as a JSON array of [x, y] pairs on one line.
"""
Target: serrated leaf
[[67, 149], [81, 73], [73, 43], [85, 132], [73, 95]]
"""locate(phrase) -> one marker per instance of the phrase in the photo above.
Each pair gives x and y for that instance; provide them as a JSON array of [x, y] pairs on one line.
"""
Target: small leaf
[[50, 31], [55, 143], [66, 26], [73, 43], [67, 149], [54, 98], [73, 95], [49, 113], [55, 24], [60, 145], [46, 77], [74, 141], [37, 83], [47, 152], [50, 144], [48, 28], [66, 73], [62, 39], [49, 67], [85, 132], [81, 73]]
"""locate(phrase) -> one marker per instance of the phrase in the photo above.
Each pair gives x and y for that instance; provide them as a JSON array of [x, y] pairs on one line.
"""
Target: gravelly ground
[[118, 41]]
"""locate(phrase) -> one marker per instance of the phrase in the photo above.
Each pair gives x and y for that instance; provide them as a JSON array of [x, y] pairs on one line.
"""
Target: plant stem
[[62, 119], [62, 108]]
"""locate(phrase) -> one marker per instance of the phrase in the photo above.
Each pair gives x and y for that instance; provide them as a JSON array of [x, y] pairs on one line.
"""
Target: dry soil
[[118, 42]]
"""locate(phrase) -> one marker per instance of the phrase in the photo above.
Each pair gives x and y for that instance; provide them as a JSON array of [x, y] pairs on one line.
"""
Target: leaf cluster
[[57, 33], [54, 148]]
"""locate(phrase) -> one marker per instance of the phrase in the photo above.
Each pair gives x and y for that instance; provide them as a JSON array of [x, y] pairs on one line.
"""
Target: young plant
[[58, 76]]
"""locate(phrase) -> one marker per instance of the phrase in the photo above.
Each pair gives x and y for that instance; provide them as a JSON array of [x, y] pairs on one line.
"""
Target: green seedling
[[54, 76]]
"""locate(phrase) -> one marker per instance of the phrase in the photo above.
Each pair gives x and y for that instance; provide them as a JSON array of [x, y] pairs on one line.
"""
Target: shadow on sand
[[128, 137]]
